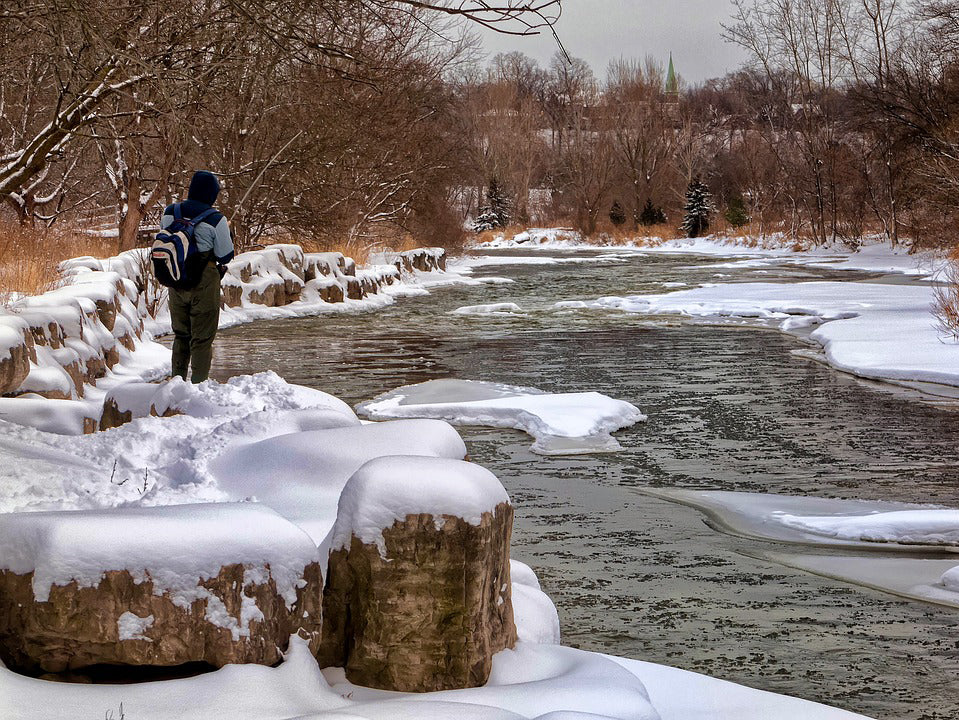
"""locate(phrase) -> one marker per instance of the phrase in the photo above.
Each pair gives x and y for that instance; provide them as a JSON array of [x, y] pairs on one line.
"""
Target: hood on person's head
[[204, 187]]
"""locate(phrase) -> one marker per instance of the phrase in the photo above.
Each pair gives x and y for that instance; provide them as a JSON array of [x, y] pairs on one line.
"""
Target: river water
[[730, 408]]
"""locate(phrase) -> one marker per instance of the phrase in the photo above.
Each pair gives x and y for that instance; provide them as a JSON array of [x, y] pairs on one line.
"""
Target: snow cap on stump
[[418, 593], [387, 489]]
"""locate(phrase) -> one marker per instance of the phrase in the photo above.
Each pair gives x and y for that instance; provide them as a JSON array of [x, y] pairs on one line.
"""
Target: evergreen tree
[[496, 212], [617, 215], [697, 209], [651, 215], [736, 214]]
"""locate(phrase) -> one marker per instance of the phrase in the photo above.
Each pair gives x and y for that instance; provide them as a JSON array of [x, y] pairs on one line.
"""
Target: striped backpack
[[177, 263]]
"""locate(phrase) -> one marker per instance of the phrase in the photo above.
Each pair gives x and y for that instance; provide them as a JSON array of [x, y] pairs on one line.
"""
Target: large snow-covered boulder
[[300, 475], [216, 583], [418, 594], [272, 276]]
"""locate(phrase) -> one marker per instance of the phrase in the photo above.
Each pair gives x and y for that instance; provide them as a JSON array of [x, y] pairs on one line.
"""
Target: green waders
[[195, 315]]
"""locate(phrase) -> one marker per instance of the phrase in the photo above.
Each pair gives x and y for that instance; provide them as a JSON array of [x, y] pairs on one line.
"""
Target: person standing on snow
[[195, 313]]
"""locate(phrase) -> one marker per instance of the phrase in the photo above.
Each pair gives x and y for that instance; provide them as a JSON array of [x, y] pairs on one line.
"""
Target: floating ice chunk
[[950, 579], [570, 305], [561, 423], [907, 576], [473, 261], [504, 308], [873, 330], [852, 524], [822, 521]]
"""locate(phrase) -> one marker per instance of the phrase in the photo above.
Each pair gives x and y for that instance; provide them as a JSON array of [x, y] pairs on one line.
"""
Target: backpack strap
[[178, 214], [203, 215]]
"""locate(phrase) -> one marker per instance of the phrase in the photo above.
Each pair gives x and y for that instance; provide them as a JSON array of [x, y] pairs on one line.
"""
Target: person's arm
[[223, 243]]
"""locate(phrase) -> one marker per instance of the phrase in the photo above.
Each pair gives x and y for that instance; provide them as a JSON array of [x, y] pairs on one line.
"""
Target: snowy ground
[[876, 256]]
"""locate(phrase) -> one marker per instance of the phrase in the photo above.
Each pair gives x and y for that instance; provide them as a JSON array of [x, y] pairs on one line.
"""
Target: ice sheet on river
[[561, 423], [503, 308], [859, 524], [873, 330], [894, 540]]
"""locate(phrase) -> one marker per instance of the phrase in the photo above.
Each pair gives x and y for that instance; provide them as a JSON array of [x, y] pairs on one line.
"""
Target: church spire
[[672, 84]]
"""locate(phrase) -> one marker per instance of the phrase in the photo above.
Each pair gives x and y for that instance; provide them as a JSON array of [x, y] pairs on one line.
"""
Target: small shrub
[[651, 215], [736, 214], [617, 215], [945, 305]]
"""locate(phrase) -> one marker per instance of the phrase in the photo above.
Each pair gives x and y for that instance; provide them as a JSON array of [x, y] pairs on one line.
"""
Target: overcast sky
[[602, 30]]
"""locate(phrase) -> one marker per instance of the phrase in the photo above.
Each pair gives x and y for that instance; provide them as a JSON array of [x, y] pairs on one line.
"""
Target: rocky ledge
[[59, 344]]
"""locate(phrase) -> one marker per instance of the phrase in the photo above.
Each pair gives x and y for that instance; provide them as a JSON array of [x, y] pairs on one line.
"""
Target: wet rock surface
[[123, 622], [15, 366], [431, 613]]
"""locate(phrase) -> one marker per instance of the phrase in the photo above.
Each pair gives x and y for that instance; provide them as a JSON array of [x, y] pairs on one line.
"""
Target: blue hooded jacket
[[214, 232]]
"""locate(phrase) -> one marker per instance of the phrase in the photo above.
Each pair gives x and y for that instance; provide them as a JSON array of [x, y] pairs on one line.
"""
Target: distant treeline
[[358, 122]]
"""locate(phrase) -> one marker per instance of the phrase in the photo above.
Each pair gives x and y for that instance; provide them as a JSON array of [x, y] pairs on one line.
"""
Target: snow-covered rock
[[418, 597], [423, 259], [16, 345], [219, 583], [561, 423], [926, 526]]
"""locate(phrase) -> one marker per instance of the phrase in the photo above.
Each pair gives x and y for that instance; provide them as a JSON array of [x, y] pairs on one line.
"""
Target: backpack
[[177, 263]]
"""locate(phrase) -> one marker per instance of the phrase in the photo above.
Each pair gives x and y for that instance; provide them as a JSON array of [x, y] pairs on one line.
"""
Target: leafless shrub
[[945, 305]]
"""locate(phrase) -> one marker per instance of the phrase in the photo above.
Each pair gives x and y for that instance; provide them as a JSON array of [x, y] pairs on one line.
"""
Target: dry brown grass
[[29, 256], [651, 235]]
